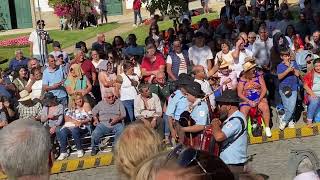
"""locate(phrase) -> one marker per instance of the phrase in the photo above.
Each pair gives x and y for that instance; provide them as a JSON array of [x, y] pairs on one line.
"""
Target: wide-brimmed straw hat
[[249, 64], [24, 96], [224, 64]]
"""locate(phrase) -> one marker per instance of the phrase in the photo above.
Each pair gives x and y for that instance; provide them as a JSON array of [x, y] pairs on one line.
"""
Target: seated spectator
[[128, 90], [108, 116], [155, 35], [26, 141], [200, 77], [33, 63], [271, 21], [136, 144], [28, 108], [152, 63], [76, 82], [77, 120], [240, 53], [243, 16], [225, 54], [199, 114], [58, 51], [315, 42], [7, 89], [63, 65], [82, 46], [283, 24], [228, 78], [18, 61], [288, 74], [148, 109], [205, 28], [95, 58], [21, 78], [34, 85], [136, 65], [252, 90], [52, 81], [132, 47], [118, 45], [177, 61], [199, 53], [311, 85], [52, 112], [107, 78], [252, 36], [101, 46], [116, 59], [8, 108], [224, 29]]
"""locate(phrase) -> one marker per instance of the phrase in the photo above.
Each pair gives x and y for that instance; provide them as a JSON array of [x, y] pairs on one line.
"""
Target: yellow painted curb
[[288, 133], [86, 162]]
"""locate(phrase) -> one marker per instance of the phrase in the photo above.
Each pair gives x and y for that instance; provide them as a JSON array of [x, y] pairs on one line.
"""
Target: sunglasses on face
[[185, 157], [109, 97]]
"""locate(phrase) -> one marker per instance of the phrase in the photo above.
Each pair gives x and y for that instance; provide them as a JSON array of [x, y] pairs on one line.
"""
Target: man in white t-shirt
[[200, 54], [240, 53], [177, 61], [39, 39]]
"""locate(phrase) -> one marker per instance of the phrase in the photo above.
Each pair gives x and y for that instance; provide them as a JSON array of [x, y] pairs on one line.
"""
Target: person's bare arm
[[193, 129], [218, 134], [170, 73], [263, 88], [31, 49], [209, 62]]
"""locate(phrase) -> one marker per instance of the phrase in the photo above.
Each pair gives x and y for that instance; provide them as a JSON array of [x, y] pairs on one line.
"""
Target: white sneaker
[[134, 25], [62, 156], [291, 124], [282, 125], [268, 132], [80, 153]]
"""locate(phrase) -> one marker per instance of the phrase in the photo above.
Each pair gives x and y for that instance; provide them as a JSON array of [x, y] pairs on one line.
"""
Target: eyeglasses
[[185, 157], [109, 97], [71, 69], [252, 37]]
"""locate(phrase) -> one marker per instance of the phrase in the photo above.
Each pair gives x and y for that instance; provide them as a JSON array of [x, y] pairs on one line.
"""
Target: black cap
[[228, 96], [194, 89]]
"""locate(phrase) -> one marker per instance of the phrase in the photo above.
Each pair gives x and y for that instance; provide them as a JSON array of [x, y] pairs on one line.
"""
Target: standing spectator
[[52, 112], [261, 48], [152, 63], [53, 79], [302, 26], [87, 67], [118, 44], [227, 10], [100, 45], [58, 51], [108, 115], [243, 16], [271, 22], [205, 6], [234, 150], [312, 86], [288, 74], [28, 108], [282, 25], [199, 53], [128, 90], [239, 54], [103, 10], [77, 83], [77, 121], [21, 79], [34, 85], [28, 142], [136, 11], [252, 36], [18, 61], [39, 39], [177, 61], [148, 109]]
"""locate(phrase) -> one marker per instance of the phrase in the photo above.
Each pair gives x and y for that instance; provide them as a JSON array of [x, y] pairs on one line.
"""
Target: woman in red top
[[152, 63], [136, 11]]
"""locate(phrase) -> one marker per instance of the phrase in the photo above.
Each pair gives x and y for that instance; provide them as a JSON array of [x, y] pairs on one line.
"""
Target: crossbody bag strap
[[131, 82], [243, 128]]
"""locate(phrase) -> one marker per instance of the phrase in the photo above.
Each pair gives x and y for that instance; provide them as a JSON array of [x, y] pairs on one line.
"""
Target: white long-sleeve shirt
[[150, 109], [127, 91]]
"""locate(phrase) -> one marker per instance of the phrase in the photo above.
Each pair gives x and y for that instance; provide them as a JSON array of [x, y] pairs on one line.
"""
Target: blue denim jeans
[[289, 104], [129, 106], [314, 104], [136, 14], [63, 133], [102, 130], [166, 125], [63, 101]]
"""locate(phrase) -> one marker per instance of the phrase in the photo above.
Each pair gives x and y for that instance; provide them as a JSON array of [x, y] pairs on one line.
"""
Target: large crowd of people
[[184, 82]]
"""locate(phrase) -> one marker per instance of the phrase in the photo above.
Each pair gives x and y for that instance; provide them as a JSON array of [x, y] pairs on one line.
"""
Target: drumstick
[[191, 140]]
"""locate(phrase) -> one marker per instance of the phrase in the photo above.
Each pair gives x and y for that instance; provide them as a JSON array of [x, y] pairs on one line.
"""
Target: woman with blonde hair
[[77, 82], [136, 144]]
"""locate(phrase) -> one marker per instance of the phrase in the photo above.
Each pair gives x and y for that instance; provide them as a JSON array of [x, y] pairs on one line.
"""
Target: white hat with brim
[[24, 96]]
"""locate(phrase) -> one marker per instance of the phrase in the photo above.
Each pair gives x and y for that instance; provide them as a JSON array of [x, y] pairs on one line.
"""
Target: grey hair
[[25, 147], [18, 51]]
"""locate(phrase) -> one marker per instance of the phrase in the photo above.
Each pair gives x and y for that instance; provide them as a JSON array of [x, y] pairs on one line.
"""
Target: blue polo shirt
[[290, 80], [200, 113], [177, 104], [236, 153], [15, 64], [51, 77]]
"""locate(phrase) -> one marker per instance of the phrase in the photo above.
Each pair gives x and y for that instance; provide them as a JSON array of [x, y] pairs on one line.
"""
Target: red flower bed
[[21, 41]]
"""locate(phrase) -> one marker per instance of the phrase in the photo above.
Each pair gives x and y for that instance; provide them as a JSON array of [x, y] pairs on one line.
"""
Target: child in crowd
[[288, 75]]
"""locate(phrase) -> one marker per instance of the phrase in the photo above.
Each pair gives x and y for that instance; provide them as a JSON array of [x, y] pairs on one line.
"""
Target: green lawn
[[66, 38], [142, 32]]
